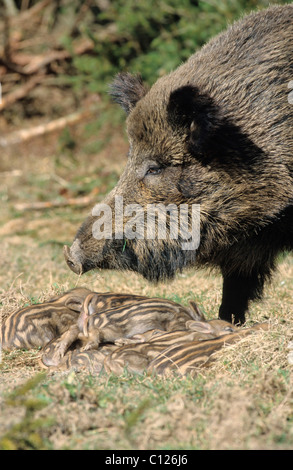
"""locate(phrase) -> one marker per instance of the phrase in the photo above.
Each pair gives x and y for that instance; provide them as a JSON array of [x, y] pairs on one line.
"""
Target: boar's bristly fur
[[216, 132]]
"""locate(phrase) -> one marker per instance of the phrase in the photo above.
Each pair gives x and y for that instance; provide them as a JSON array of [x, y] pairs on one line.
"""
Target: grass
[[244, 400]]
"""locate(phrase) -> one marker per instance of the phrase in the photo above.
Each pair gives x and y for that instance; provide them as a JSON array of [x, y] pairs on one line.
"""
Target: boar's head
[[183, 151]]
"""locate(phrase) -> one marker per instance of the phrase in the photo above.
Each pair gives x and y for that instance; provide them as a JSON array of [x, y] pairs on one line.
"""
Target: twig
[[34, 10], [50, 57], [34, 63]]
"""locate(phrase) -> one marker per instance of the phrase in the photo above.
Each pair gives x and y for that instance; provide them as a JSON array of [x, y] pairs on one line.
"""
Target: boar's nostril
[[74, 265]]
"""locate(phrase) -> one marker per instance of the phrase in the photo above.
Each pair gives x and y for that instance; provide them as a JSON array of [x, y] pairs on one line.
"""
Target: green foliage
[[150, 37], [26, 434]]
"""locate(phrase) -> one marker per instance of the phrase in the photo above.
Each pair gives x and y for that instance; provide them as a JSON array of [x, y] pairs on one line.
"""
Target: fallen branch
[[58, 124], [20, 92], [5, 174], [79, 201]]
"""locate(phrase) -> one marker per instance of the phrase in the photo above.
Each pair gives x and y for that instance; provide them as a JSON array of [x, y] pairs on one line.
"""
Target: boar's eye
[[153, 170]]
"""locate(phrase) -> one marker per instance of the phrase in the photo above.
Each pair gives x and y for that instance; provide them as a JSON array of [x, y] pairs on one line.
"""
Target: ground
[[243, 401]]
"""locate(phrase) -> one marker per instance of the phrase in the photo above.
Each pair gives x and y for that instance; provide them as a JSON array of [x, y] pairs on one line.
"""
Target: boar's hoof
[[74, 265]]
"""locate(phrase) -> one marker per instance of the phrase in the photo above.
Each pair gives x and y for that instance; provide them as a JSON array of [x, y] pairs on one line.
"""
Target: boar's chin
[[155, 261]]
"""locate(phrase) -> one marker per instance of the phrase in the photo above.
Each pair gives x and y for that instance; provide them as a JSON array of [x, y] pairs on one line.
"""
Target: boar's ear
[[127, 90], [196, 112]]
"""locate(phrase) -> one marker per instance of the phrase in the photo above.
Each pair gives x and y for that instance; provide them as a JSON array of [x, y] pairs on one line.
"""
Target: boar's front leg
[[238, 290]]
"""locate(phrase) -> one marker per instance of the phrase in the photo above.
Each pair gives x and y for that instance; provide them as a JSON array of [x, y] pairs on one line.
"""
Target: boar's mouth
[[72, 263], [106, 259]]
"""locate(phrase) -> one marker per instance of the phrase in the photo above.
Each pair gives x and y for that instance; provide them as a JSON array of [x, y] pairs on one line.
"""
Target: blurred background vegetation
[[78, 46]]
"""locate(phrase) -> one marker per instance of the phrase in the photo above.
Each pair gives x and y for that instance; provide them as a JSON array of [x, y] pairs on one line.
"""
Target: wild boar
[[217, 134]]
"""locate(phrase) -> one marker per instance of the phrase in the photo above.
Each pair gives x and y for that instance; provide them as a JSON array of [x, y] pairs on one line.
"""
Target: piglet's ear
[[196, 112], [199, 326], [127, 90], [74, 303]]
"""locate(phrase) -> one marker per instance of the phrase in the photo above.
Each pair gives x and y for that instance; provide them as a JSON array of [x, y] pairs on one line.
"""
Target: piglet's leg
[[56, 349], [92, 341]]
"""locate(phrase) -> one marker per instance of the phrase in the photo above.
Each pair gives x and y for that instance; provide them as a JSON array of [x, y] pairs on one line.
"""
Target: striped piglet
[[36, 325], [118, 324]]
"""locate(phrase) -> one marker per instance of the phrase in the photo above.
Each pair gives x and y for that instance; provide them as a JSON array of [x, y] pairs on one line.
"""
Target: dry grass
[[243, 401]]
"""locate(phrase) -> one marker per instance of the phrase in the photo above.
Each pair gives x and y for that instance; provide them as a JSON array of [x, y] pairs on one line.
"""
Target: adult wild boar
[[218, 132]]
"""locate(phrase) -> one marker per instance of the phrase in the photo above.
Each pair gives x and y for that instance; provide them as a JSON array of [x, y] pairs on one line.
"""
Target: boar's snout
[[72, 258]]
